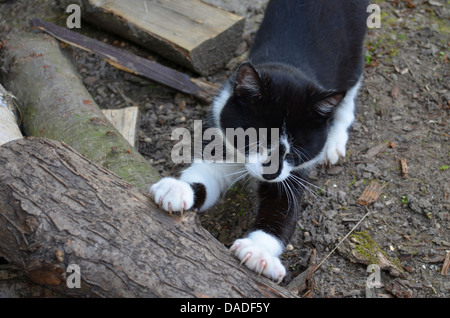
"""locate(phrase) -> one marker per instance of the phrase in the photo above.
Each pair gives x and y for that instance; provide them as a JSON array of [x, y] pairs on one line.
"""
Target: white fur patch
[[260, 252], [335, 146], [215, 177]]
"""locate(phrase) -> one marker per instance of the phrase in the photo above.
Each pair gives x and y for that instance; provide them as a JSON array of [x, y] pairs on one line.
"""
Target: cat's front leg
[[199, 187], [274, 226], [335, 146]]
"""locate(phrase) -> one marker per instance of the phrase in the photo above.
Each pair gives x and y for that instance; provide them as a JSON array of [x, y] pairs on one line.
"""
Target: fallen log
[[129, 62], [55, 104], [194, 34], [58, 208], [9, 129]]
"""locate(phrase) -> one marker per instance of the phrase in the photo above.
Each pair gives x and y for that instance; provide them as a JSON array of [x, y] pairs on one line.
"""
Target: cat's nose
[[270, 177], [270, 172]]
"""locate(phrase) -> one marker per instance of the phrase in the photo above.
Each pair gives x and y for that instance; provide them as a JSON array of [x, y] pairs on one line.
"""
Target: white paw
[[335, 145], [259, 252], [173, 195]]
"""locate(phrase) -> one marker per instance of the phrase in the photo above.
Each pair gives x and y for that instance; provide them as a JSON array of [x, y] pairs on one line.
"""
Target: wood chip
[[371, 193], [394, 92], [404, 167], [446, 264], [125, 120], [372, 152]]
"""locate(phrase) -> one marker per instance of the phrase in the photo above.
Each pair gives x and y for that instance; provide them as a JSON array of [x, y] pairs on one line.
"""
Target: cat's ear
[[328, 102], [248, 82]]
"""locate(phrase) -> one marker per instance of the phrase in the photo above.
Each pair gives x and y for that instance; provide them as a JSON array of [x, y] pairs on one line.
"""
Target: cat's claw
[[173, 195], [259, 259]]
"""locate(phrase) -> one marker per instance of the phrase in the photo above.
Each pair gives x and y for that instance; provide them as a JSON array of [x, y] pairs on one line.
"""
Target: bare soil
[[402, 113]]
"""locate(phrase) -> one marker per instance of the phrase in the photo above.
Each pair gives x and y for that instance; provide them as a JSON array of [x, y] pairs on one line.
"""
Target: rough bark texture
[[56, 105], [58, 208]]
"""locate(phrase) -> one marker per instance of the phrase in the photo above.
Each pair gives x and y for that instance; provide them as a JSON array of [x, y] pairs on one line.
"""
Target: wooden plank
[[191, 33], [9, 129], [126, 61], [125, 120]]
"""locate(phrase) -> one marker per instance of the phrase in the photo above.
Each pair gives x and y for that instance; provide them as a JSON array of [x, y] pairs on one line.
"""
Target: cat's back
[[322, 38]]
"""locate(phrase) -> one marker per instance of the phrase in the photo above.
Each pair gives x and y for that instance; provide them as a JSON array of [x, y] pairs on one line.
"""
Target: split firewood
[[191, 33], [125, 120]]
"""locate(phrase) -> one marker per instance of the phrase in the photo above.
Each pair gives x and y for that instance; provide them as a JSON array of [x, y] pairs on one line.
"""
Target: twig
[[409, 67], [404, 167], [446, 264], [339, 244]]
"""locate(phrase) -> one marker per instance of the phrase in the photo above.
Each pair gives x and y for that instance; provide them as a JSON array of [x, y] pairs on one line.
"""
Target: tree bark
[[58, 208], [56, 105]]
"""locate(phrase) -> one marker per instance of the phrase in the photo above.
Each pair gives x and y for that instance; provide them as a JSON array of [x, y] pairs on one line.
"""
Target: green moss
[[387, 19], [368, 250], [443, 25], [366, 247]]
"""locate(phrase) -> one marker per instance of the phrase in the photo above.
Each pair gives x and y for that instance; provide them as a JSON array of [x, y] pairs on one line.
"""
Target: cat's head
[[289, 113]]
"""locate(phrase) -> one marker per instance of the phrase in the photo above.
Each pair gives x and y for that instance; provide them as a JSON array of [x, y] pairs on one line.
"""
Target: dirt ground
[[402, 114]]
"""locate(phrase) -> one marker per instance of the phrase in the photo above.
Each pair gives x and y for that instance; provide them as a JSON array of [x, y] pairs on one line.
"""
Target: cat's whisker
[[302, 153], [244, 174], [298, 181], [321, 189], [235, 173], [290, 195]]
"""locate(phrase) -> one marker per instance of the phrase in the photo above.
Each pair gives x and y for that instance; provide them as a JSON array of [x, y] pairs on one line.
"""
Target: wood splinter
[[404, 167]]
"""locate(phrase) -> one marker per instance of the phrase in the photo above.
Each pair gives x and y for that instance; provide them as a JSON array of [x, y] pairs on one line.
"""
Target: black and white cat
[[301, 77]]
